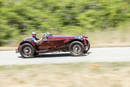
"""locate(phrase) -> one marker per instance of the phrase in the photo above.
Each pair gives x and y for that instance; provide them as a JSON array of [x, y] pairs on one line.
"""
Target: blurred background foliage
[[21, 17]]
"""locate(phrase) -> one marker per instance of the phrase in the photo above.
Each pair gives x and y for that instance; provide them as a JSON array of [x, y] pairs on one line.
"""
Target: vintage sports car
[[76, 45]]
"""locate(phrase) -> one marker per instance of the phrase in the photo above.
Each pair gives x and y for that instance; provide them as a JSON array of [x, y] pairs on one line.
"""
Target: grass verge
[[66, 75]]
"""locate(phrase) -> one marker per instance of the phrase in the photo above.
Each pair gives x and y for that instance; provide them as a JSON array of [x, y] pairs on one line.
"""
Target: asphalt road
[[94, 55]]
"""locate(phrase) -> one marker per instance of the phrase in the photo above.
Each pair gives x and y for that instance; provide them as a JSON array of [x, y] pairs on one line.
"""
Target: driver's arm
[[39, 40], [34, 40]]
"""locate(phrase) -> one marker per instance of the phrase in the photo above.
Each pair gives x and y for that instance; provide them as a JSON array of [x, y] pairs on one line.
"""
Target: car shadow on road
[[54, 55]]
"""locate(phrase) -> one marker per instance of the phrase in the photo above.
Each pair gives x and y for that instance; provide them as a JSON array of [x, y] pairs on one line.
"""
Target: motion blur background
[[104, 21]]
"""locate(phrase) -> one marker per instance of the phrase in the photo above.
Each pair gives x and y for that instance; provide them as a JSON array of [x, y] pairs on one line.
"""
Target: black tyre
[[76, 48], [27, 50], [87, 47], [36, 54]]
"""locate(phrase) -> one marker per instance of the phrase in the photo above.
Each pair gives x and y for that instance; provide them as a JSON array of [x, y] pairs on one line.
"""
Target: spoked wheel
[[76, 48], [27, 50]]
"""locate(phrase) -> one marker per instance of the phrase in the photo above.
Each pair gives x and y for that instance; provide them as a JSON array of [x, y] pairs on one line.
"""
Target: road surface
[[94, 55]]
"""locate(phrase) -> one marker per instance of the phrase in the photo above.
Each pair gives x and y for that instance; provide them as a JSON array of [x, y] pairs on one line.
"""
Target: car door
[[49, 43], [43, 44], [56, 43]]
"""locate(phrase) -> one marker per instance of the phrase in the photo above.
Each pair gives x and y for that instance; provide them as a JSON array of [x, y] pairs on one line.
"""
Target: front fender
[[30, 42]]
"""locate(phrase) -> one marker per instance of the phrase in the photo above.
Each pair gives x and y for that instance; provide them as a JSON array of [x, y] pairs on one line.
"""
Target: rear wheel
[[76, 48], [27, 50]]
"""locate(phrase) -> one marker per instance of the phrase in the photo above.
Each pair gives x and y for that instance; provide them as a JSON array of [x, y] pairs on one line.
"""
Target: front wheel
[[76, 48], [87, 47], [36, 54], [27, 50]]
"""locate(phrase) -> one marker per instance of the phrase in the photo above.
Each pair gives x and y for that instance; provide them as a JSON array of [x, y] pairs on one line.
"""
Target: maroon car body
[[28, 48]]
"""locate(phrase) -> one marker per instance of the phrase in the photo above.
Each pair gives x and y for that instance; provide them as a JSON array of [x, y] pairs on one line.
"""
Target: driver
[[34, 38]]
